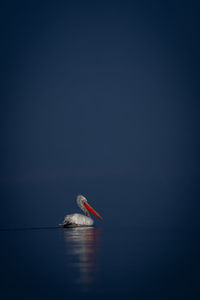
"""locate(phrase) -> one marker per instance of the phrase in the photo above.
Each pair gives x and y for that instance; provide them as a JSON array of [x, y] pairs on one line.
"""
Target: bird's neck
[[86, 212], [83, 208]]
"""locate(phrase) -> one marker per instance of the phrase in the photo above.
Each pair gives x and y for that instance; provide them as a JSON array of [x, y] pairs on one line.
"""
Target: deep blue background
[[102, 98]]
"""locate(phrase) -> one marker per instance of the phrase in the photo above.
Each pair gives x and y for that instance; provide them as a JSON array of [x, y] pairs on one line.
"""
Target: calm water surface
[[133, 262]]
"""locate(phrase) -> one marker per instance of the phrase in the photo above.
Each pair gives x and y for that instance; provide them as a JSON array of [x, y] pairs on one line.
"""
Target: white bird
[[75, 220]]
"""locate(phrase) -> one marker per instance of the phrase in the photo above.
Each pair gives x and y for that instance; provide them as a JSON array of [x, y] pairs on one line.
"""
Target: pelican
[[75, 220]]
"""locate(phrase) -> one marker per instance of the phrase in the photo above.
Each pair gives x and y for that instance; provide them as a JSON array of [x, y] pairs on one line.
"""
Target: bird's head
[[85, 206]]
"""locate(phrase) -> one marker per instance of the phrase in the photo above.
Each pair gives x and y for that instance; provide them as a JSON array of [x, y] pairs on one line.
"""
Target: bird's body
[[75, 220]]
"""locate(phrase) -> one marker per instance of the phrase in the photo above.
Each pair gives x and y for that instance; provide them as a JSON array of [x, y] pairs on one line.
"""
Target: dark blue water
[[146, 247], [133, 262]]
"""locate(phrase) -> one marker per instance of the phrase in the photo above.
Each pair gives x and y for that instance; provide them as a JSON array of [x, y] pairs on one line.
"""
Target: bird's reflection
[[82, 246]]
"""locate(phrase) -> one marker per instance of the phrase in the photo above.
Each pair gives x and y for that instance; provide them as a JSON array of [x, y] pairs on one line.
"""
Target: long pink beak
[[92, 210]]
